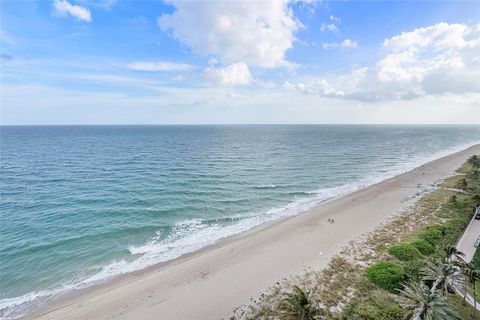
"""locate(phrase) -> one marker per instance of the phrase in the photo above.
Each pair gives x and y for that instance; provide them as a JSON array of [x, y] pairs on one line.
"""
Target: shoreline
[[220, 277], [43, 299]]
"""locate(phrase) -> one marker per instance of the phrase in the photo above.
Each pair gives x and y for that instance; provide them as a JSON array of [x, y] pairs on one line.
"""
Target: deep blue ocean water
[[81, 204]]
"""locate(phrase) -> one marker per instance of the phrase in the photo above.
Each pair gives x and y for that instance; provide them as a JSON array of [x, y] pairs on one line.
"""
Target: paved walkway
[[467, 241], [468, 298], [467, 246]]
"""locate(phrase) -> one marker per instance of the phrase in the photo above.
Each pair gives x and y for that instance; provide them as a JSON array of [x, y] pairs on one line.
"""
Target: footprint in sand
[[204, 274]]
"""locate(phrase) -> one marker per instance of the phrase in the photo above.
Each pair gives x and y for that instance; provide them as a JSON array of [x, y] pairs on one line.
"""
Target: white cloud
[[158, 66], [217, 105], [64, 8], [335, 19], [234, 74], [439, 36], [213, 61], [320, 87], [347, 43], [257, 33], [438, 60], [329, 27]]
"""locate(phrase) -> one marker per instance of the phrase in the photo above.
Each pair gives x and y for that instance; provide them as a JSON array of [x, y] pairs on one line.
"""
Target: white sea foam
[[191, 235], [266, 186]]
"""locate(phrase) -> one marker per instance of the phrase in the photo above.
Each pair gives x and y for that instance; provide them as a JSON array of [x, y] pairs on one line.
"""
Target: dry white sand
[[209, 284]]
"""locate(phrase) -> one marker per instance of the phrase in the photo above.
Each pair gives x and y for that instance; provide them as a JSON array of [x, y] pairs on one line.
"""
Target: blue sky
[[155, 62]]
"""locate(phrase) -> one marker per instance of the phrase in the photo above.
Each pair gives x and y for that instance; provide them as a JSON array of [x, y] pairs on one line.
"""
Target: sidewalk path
[[467, 241], [466, 244], [468, 299]]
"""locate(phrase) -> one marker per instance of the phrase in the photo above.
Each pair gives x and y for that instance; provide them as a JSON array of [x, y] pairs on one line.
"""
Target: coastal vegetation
[[298, 305], [409, 268], [424, 303], [387, 275], [404, 252]]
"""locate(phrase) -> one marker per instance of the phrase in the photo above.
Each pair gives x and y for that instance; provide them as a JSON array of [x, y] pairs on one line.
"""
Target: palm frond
[[297, 305], [423, 304]]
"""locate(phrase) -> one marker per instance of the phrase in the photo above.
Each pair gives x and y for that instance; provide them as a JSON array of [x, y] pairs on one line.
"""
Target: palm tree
[[444, 275], [463, 267], [451, 252], [423, 304], [473, 275], [297, 305]]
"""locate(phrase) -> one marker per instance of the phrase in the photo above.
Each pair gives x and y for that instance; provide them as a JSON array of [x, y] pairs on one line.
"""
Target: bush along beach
[[409, 268]]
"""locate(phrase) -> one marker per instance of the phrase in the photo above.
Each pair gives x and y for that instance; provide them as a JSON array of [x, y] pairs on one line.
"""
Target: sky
[[208, 62]]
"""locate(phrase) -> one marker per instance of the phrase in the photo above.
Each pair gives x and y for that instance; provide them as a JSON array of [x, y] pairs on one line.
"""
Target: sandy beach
[[212, 282]]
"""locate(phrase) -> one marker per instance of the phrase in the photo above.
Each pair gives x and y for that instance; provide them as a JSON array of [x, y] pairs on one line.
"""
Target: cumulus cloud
[[439, 36], [158, 66], [64, 8], [255, 33], [347, 43], [234, 74], [438, 60]]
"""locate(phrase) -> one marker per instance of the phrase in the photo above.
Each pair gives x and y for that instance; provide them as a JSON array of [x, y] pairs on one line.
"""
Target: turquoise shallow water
[[81, 204]]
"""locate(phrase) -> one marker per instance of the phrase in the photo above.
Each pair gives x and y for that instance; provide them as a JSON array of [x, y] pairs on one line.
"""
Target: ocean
[[82, 204]]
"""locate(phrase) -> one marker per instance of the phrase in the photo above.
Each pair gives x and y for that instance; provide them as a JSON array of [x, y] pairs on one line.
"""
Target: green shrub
[[404, 252], [364, 311], [424, 247], [453, 229], [412, 270], [387, 275], [393, 312], [432, 234]]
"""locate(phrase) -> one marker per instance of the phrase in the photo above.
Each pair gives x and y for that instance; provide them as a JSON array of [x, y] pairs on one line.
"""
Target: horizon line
[[238, 124]]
